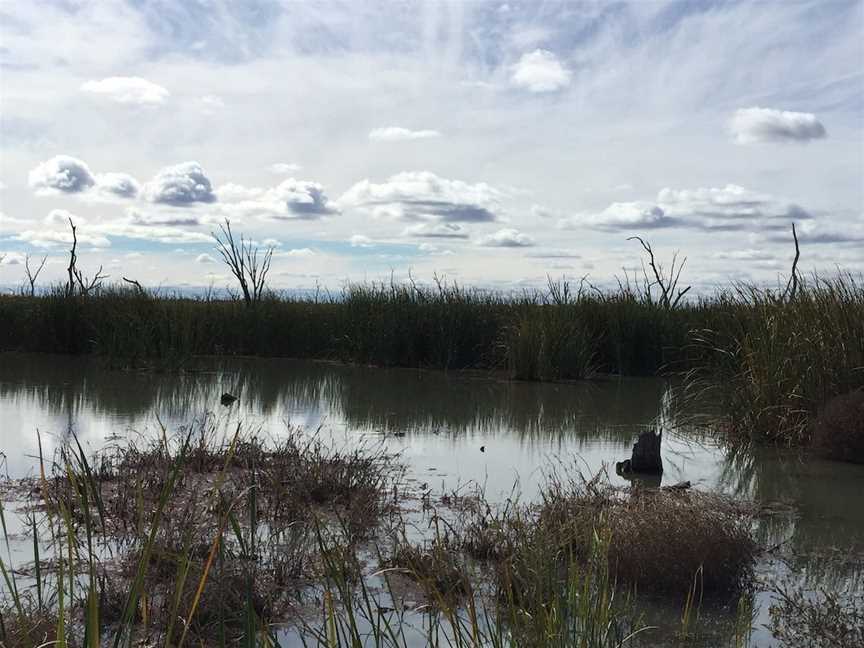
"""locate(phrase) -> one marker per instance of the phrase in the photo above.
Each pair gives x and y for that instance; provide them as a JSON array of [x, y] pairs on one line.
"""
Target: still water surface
[[525, 429]]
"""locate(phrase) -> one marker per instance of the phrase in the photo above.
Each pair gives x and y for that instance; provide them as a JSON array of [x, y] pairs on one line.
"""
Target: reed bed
[[529, 335]]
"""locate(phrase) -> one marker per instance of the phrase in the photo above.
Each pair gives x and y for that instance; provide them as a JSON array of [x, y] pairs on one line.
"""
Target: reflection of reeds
[[363, 398]]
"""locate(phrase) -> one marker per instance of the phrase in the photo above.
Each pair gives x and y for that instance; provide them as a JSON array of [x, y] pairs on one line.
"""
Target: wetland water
[[438, 423]]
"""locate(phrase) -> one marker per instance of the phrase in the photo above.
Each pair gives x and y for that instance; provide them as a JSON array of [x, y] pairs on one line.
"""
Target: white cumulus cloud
[[289, 200], [399, 134], [181, 184], [117, 185], [437, 230], [756, 125], [127, 90], [730, 208], [61, 174], [540, 71], [423, 196], [508, 238], [61, 218]]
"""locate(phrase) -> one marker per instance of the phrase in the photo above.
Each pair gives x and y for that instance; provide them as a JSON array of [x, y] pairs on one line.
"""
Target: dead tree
[[33, 275], [78, 281], [243, 260], [792, 284], [670, 295]]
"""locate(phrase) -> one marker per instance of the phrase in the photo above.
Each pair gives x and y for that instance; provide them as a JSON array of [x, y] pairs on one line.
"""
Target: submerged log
[[646, 456]]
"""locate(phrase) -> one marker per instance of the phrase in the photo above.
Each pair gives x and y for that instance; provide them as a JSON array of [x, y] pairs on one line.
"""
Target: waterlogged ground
[[453, 430]]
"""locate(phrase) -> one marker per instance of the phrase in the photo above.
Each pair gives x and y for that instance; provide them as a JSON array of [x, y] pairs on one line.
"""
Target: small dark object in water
[[646, 456], [227, 399], [398, 434], [482, 448]]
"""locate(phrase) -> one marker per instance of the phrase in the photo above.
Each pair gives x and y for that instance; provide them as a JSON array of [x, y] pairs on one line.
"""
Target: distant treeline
[[777, 358]]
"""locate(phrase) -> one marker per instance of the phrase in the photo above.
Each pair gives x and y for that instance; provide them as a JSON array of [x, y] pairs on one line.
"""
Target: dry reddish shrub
[[838, 432]]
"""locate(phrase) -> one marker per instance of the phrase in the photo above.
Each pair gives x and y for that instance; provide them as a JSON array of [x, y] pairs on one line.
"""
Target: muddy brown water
[[439, 422]]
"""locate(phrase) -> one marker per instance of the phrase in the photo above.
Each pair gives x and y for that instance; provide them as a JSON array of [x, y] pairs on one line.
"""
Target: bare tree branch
[[87, 284], [136, 284]]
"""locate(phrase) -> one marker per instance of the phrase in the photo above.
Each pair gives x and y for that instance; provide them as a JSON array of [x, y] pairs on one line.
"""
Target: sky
[[492, 144]]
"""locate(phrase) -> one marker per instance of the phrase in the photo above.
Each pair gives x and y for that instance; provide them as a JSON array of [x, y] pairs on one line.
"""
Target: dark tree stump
[[646, 455]]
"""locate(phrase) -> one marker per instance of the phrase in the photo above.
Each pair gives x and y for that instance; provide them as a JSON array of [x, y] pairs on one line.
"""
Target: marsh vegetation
[[219, 537]]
